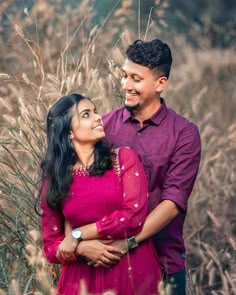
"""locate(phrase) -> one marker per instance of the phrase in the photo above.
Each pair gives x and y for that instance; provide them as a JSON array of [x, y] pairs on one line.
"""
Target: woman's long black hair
[[60, 155]]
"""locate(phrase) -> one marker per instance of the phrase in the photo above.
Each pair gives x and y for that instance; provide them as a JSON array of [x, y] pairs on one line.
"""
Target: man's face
[[140, 86]]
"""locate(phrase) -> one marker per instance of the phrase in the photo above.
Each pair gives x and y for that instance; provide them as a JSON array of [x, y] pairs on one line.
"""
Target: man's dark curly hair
[[154, 54]]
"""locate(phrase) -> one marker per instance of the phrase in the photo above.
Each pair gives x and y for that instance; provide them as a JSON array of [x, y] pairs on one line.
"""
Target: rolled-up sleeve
[[183, 167]]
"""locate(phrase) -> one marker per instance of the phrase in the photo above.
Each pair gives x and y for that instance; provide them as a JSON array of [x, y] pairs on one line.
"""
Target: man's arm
[[157, 219]]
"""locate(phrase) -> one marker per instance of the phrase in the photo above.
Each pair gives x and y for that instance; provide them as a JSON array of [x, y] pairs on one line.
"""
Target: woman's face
[[86, 124]]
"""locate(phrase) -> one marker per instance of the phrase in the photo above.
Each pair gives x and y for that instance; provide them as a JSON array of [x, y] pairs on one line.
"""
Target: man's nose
[[126, 84]]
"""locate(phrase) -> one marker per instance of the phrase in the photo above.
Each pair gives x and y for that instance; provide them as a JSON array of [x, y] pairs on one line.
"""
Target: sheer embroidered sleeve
[[52, 228], [129, 219]]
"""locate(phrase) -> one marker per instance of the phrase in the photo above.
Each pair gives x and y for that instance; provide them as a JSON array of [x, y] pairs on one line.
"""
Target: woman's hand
[[98, 253], [67, 247]]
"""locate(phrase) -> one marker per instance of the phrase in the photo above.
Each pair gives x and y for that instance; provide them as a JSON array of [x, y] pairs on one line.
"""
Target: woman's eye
[[85, 115], [136, 79]]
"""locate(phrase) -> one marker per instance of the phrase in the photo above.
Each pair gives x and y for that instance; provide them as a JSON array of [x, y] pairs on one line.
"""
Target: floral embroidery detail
[[104, 218], [116, 163], [147, 195], [136, 205], [55, 228], [124, 195], [109, 237], [122, 219], [122, 167], [136, 174], [81, 171], [140, 223]]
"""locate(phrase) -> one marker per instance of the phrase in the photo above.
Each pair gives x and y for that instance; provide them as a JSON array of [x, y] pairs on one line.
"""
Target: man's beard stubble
[[132, 109]]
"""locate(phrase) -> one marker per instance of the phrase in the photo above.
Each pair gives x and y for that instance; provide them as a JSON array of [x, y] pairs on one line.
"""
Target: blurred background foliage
[[214, 20], [52, 47]]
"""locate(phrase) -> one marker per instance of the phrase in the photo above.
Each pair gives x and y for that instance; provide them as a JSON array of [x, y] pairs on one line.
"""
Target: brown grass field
[[49, 50]]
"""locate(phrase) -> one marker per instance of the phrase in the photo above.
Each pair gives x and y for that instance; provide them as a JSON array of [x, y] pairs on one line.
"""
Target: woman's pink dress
[[117, 202]]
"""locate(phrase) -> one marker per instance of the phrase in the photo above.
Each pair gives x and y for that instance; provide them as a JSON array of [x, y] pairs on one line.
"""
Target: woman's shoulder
[[124, 159], [119, 157], [124, 154], [124, 150]]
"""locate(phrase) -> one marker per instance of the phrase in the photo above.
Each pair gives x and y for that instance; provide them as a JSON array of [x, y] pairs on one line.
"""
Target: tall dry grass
[[51, 50]]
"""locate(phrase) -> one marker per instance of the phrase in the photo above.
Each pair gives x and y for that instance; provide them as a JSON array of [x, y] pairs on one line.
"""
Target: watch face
[[132, 243], [76, 233]]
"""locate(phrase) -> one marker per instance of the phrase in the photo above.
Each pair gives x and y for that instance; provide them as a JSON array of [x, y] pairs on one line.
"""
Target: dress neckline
[[81, 170]]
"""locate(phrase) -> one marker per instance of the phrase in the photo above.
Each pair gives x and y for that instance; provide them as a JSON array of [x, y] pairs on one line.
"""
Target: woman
[[102, 194]]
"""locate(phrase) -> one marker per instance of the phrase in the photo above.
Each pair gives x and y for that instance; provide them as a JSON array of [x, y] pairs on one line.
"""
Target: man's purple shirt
[[169, 148]]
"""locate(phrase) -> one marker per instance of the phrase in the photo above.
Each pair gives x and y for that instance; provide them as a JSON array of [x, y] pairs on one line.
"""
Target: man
[[168, 146]]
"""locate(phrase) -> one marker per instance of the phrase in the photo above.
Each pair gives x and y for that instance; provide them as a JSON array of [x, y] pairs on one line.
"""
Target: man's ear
[[161, 84], [71, 135]]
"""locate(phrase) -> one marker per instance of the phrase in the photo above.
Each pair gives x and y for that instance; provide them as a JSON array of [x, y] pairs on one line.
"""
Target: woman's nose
[[98, 118]]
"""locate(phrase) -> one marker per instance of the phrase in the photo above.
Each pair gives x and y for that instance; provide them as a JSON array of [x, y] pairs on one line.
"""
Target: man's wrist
[[78, 250]]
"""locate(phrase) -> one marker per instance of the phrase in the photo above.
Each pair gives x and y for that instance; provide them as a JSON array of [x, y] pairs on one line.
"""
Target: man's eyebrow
[[132, 74]]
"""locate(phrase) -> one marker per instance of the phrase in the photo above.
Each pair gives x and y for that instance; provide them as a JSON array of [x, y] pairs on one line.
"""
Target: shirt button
[[138, 133]]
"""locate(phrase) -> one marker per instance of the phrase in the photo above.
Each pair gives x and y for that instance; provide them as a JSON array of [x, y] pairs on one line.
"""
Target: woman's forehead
[[85, 104]]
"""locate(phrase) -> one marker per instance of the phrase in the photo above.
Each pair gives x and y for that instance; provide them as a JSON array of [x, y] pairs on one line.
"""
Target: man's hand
[[122, 245], [99, 253]]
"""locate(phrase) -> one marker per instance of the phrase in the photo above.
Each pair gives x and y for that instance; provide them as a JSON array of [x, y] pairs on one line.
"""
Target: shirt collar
[[126, 115], [155, 118]]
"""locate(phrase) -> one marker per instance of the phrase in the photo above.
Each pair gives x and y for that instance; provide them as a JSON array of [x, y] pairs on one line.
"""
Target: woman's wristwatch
[[132, 243], [77, 234]]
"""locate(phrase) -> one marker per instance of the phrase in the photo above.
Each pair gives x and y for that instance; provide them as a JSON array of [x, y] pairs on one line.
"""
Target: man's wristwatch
[[77, 234], [132, 243]]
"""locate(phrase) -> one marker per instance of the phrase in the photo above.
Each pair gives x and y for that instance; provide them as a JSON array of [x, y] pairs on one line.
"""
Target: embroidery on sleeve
[[116, 162]]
